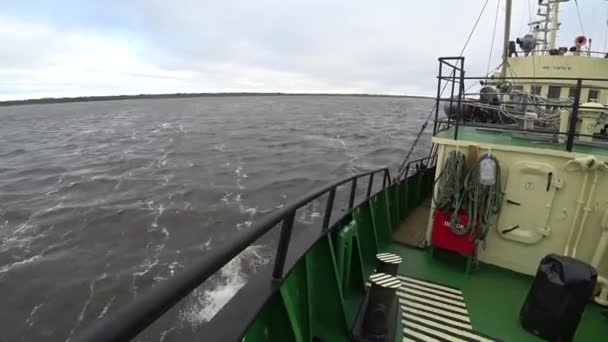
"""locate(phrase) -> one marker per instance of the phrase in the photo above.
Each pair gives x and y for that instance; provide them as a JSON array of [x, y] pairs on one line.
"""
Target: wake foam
[[206, 303]]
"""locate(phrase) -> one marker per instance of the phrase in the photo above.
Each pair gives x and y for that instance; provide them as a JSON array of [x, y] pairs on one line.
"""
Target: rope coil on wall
[[477, 190], [450, 181], [483, 200]]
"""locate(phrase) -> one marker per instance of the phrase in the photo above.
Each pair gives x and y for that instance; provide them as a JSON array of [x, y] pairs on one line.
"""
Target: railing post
[[453, 81], [433, 149], [438, 96], [384, 180], [460, 94], [279, 260], [328, 208], [353, 189], [574, 116], [369, 185]]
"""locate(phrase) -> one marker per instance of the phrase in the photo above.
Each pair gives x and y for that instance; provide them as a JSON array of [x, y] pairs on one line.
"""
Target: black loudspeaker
[[554, 305]]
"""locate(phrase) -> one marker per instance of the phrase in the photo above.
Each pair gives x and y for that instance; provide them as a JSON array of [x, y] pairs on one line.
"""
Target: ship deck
[[493, 295], [496, 136], [324, 297]]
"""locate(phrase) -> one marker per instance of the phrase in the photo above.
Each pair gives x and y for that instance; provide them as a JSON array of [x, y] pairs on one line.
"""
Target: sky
[[82, 48]]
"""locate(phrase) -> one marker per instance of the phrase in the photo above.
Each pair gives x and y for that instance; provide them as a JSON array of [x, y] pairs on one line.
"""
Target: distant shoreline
[[50, 100]]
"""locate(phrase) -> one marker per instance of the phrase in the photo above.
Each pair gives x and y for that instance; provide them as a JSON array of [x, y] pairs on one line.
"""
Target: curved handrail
[[421, 163], [134, 317]]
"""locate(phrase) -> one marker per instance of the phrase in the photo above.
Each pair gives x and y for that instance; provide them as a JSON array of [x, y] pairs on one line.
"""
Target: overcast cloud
[[75, 48]]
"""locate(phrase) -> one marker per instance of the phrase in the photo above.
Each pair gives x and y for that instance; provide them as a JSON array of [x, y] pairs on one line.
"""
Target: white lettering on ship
[[459, 226], [557, 67]]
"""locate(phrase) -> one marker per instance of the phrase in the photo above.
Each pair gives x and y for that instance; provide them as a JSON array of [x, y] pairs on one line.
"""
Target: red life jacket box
[[444, 238]]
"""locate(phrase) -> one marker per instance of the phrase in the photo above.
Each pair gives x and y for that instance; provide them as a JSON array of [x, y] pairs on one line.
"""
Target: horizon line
[[92, 98]]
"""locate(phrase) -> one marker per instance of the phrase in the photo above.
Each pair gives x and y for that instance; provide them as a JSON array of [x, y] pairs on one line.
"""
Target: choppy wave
[[160, 236], [99, 201], [20, 263], [86, 304]]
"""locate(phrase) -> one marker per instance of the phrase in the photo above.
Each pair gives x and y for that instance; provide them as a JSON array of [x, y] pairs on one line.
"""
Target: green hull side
[[320, 297]]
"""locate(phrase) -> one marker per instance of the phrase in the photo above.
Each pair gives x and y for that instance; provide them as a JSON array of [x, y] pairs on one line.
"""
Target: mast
[[505, 47], [548, 24], [554, 23], [547, 21]]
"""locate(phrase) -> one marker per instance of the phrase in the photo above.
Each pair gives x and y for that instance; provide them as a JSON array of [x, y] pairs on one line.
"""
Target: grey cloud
[[351, 42], [387, 46]]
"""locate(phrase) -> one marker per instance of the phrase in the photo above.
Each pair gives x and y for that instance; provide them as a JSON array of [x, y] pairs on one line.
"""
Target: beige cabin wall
[[569, 66], [525, 258], [560, 66]]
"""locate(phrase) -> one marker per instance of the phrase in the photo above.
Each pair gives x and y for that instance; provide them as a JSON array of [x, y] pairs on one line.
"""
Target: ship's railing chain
[[405, 165]]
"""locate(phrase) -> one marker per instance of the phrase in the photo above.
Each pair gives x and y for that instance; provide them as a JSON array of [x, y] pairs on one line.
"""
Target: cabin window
[[535, 90], [594, 94], [554, 92]]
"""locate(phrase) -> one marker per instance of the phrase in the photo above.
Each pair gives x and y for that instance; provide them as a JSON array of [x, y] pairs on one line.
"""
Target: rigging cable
[[533, 52], [474, 27], [496, 68], [493, 36], [578, 12], [403, 166], [606, 30], [521, 25]]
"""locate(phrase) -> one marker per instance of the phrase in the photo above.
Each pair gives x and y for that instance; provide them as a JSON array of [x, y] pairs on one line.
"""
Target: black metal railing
[[420, 164], [455, 80], [128, 321], [451, 74]]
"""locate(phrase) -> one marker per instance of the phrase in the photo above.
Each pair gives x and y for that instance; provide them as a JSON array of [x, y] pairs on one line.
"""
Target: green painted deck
[[493, 295], [320, 297], [497, 137]]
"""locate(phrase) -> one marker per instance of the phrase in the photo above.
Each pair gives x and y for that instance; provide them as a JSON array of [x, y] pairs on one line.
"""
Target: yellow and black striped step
[[435, 312]]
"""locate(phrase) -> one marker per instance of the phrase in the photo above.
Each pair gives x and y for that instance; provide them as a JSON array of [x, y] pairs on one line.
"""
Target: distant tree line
[[46, 100]]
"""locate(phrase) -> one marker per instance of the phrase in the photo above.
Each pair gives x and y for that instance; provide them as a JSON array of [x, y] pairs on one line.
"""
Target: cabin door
[[528, 201]]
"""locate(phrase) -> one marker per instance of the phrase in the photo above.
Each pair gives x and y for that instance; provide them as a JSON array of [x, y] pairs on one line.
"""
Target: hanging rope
[[403, 167], [450, 181], [483, 202], [478, 191]]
